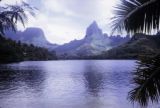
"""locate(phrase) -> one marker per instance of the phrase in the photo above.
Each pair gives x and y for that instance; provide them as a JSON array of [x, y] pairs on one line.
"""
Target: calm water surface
[[66, 84]]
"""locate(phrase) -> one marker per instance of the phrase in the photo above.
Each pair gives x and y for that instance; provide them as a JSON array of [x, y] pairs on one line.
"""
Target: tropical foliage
[[11, 51], [10, 15], [136, 16], [147, 80]]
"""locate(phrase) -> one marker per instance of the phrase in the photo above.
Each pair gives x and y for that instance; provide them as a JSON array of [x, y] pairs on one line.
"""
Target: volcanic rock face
[[94, 31], [94, 43], [31, 35], [139, 45]]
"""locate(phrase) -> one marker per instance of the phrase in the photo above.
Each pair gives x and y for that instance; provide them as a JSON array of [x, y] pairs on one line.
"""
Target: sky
[[65, 20]]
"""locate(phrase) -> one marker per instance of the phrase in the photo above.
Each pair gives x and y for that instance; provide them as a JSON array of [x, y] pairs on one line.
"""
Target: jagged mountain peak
[[93, 29], [94, 43], [94, 24]]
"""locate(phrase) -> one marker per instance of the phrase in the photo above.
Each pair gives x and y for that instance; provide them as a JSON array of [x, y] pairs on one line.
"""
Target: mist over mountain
[[30, 35], [139, 45], [94, 43]]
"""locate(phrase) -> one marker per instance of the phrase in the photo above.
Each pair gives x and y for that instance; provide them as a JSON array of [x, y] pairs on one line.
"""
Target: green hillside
[[11, 51], [140, 44]]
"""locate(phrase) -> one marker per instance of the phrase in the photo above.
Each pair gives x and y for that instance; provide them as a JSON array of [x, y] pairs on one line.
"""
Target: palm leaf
[[147, 80], [135, 16], [6, 23], [11, 14]]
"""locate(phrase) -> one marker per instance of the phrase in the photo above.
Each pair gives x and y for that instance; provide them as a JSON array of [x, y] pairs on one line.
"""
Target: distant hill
[[31, 35], [140, 44], [94, 43], [11, 51]]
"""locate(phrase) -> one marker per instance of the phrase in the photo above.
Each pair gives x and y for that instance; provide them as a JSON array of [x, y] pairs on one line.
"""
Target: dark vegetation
[[11, 51], [135, 16], [139, 45], [146, 80]]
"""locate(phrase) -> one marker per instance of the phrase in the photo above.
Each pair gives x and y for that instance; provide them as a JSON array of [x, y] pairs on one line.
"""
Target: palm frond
[[11, 14], [6, 23], [147, 80], [136, 16]]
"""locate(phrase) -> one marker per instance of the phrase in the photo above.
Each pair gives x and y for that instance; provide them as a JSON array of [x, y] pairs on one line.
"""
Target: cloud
[[4, 2], [66, 20]]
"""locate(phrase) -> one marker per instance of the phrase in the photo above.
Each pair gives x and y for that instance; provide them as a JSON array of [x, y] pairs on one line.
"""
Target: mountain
[[94, 43], [31, 35], [140, 44]]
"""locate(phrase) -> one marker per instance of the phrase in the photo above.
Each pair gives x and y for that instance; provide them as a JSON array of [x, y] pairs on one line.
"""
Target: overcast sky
[[66, 20]]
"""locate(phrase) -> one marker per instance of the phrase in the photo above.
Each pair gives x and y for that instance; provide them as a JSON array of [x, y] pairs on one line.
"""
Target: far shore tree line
[[132, 16]]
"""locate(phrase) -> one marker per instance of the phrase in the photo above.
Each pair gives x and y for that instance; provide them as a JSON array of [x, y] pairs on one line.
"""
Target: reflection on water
[[66, 84], [93, 80]]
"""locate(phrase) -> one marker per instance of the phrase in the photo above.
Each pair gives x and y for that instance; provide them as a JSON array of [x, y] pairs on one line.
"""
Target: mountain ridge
[[94, 43], [139, 45], [31, 35]]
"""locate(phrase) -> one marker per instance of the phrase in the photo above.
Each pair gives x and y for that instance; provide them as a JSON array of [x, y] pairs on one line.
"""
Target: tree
[[141, 16], [137, 16], [10, 15], [147, 80]]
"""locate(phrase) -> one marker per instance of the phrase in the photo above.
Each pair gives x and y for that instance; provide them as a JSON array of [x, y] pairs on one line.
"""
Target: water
[[66, 84]]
